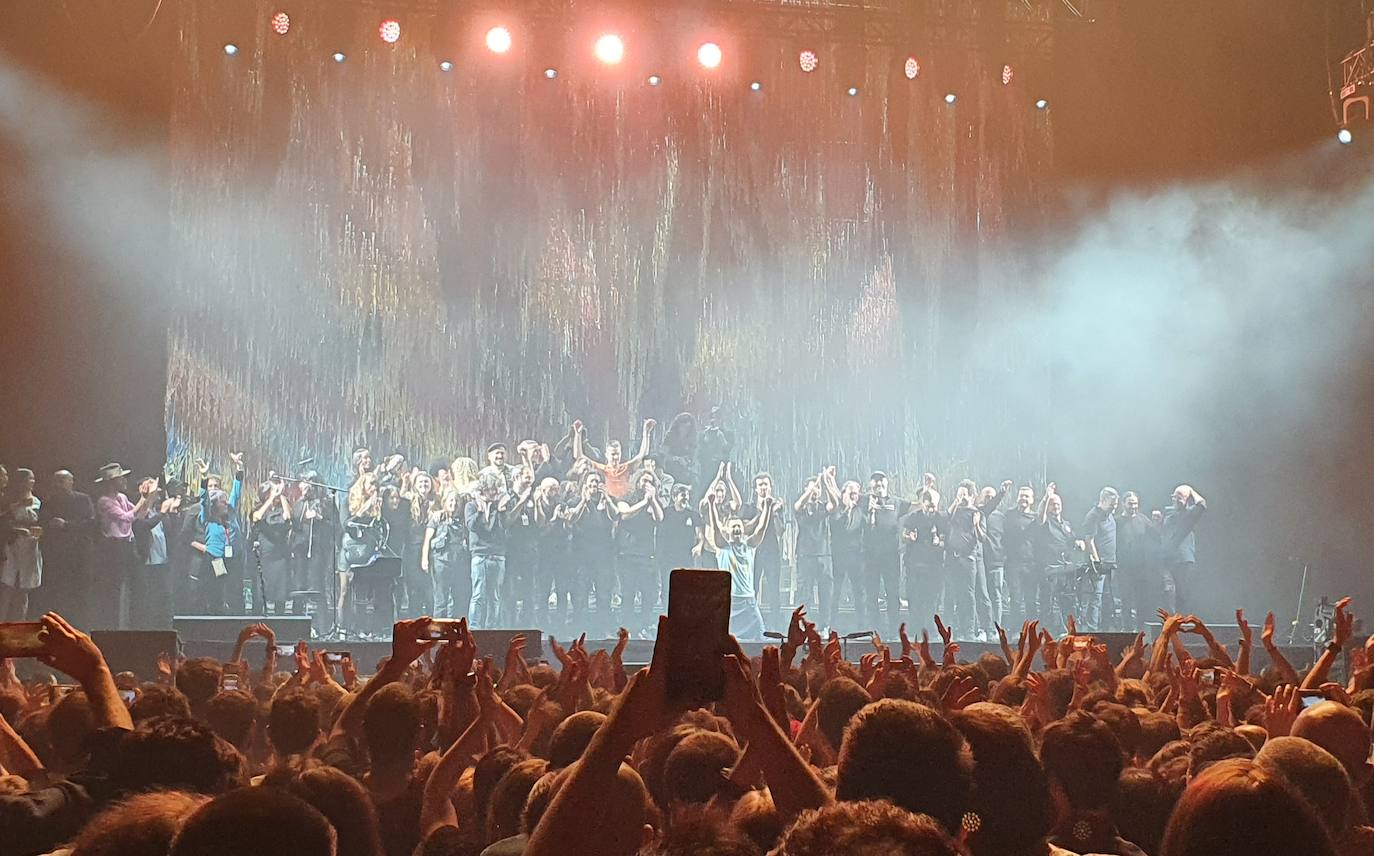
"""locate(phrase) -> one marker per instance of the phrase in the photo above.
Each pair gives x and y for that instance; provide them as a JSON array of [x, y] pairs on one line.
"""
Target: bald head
[[1339, 730], [64, 481]]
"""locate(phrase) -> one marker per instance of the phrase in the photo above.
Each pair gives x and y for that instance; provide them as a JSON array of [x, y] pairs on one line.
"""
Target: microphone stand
[[335, 631]]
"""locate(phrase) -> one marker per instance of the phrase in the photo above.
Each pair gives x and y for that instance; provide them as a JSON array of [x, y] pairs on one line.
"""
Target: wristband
[[1334, 647]]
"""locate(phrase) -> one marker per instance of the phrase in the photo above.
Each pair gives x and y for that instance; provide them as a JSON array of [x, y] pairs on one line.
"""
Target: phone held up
[[445, 628], [22, 639], [698, 633]]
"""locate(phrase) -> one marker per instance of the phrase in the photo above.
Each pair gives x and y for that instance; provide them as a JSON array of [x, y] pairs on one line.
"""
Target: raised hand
[[622, 639], [236, 458], [70, 651], [1246, 634], [906, 641], [1267, 633], [946, 633], [961, 693], [409, 639], [1281, 709], [1345, 622], [796, 627], [204, 467], [1071, 625]]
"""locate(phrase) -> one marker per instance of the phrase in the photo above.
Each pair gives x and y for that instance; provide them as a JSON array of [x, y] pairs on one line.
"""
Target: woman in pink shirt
[[114, 517]]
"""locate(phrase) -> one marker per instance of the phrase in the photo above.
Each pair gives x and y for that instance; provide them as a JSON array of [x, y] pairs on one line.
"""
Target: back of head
[[1215, 745], [865, 828], [626, 810], [391, 725], [231, 714], [1124, 724], [703, 833], [1340, 731], [891, 738], [571, 737], [198, 679], [1236, 808], [697, 767], [1315, 774], [1083, 757], [489, 770], [255, 821], [1010, 793], [1142, 807], [1156, 730], [293, 722], [509, 797], [171, 752], [157, 700], [840, 699], [345, 804], [142, 825], [69, 723]]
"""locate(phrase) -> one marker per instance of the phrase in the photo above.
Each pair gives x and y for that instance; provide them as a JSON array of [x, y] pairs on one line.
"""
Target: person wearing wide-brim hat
[[114, 518]]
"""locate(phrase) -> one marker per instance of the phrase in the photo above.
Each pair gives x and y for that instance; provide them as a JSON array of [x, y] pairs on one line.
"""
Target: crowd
[[1046, 750], [572, 536]]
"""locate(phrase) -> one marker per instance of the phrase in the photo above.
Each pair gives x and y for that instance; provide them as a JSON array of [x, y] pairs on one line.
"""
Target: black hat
[[494, 446]]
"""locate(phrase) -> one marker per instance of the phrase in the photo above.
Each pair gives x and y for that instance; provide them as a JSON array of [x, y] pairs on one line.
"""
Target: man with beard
[[1099, 534], [992, 558], [846, 538], [767, 562], [640, 518], [963, 532], [592, 523], [68, 520], [1180, 545], [679, 535], [1056, 554], [815, 582], [882, 568]]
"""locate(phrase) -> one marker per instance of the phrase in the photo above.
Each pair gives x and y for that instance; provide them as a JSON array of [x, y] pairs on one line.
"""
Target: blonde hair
[[464, 472]]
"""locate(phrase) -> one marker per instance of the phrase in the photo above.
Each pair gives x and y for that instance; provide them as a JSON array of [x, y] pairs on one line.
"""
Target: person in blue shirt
[[735, 553], [221, 543]]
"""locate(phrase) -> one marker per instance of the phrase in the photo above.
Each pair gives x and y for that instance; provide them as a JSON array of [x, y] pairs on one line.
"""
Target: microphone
[[860, 634]]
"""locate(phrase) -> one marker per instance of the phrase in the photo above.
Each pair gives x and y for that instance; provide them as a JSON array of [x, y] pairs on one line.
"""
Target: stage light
[[610, 49], [339, 56], [1345, 137], [1041, 104], [389, 30], [654, 80], [445, 66], [709, 55], [756, 86], [1007, 75], [231, 49], [498, 40], [912, 68], [853, 90], [951, 98], [550, 73], [281, 23], [808, 60]]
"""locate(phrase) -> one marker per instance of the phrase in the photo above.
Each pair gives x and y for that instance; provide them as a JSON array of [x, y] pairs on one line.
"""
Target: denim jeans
[[484, 612]]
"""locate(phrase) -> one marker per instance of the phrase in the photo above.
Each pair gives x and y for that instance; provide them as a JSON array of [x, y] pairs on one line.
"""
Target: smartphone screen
[[1311, 697], [128, 696], [287, 650], [698, 630], [336, 656], [22, 638], [229, 677], [445, 628]]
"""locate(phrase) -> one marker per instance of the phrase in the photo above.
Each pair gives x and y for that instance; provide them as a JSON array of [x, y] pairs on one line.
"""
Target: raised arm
[[761, 528], [644, 438], [736, 501], [1287, 673], [1345, 627]]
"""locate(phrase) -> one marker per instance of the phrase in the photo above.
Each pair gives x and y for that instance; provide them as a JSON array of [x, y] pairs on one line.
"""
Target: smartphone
[[1311, 697], [285, 650], [337, 656], [445, 628], [128, 696], [698, 634], [22, 638], [229, 678]]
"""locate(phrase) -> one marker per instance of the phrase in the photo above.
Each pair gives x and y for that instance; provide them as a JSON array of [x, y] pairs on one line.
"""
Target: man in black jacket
[[68, 520], [1180, 545]]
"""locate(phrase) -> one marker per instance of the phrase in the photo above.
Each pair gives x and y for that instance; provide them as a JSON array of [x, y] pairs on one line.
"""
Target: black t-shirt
[[926, 549], [677, 534], [637, 534], [846, 531], [961, 532], [813, 530], [1054, 542], [772, 539], [1100, 526], [523, 532], [1018, 537], [882, 526], [273, 532], [994, 539], [593, 534], [552, 534], [1138, 540]]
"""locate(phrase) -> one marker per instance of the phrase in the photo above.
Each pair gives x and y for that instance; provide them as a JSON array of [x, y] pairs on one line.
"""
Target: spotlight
[[610, 49], [1007, 75], [709, 55], [808, 60], [756, 86], [281, 23], [951, 98], [853, 90], [231, 49], [339, 56], [1041, 104], [498, 40], [446, 66], [550, 73], [1345, 137], [912, 68], [389, 30], [654, 80]]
